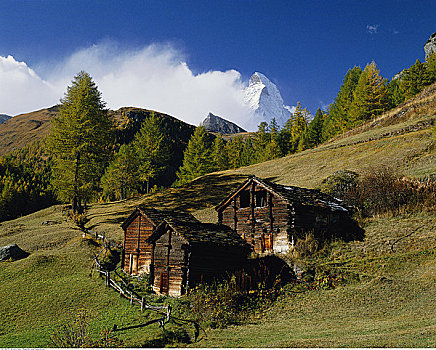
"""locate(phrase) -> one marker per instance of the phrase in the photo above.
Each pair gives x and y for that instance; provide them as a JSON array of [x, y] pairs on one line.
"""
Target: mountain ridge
[[4, 117], [214, 123], [265, 101]]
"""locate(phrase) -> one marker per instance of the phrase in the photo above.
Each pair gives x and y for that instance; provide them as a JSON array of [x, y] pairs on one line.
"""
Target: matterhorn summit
[[264, 99]]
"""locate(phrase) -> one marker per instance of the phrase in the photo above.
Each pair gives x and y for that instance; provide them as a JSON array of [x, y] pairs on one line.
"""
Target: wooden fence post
[[108, 279]]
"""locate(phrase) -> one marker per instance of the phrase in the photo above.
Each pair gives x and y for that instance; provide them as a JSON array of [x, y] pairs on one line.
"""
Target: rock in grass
[[12, 251]]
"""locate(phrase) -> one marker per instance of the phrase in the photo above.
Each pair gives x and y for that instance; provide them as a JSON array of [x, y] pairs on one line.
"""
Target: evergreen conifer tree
[[197, 158], [248, 154], [121, 177], [337, 120], [431, 67], [78, 141], [314, 130], [153, 149], [219, 153], [396, 95], [414, 80], [235, 150]]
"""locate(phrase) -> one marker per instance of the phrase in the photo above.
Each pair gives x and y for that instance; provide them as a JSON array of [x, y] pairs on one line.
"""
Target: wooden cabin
[[188, 252], [271, 217], [137, 253]]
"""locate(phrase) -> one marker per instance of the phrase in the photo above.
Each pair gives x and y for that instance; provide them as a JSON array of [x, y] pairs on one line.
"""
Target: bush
[[221, 304], [339, 183], [382, 191], [306, 247]]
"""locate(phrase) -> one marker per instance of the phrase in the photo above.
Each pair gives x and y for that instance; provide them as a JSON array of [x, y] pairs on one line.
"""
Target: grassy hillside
[[386, 297]]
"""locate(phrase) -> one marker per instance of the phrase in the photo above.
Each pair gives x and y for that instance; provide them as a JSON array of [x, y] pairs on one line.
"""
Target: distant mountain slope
[[23, 129], [4, 117], [128, 121], [215, 123]]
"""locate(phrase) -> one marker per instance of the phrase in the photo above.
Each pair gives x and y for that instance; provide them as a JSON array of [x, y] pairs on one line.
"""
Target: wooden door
[[267, 241], [164, 282]]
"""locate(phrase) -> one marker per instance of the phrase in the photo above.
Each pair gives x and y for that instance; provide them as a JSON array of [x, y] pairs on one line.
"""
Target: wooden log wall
[[209, 262], [268, 232], [169, 263], [311, 219], [134, 243]]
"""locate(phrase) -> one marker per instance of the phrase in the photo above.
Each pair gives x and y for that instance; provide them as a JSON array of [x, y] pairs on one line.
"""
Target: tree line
[[25, 182], [363, 95], [80, 161]]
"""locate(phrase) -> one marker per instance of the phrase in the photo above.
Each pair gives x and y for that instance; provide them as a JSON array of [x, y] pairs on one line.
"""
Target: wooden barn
[[187, 252], [271, 217], [137, 253]]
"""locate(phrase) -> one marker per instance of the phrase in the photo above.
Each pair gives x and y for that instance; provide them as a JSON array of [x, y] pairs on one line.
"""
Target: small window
[[260, 198], [244, 199]]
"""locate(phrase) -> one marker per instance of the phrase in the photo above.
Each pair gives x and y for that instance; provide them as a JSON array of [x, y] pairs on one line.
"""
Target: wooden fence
[[122, 288]]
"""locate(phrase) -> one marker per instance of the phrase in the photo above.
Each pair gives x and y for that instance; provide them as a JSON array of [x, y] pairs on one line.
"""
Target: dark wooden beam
[[253, 219], [235, 216]]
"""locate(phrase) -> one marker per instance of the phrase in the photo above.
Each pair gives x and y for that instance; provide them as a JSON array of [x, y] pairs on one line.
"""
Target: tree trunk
[[76, 200]]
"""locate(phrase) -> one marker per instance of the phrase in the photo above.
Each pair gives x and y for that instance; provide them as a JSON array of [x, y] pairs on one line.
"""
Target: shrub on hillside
[[221, 304], [382, 191], [339, 183], [306, 247]]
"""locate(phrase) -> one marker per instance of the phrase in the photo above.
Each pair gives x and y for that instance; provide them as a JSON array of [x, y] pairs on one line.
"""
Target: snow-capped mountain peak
[[264, 99]]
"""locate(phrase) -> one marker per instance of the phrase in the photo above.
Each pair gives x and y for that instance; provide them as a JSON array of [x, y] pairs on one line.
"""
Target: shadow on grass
[[168, 338]]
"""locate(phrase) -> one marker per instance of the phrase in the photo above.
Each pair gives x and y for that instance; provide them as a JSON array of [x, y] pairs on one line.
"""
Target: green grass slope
[[389, 301]]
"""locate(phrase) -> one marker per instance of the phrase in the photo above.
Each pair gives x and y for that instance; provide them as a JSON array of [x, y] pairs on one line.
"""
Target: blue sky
[[304, 47]]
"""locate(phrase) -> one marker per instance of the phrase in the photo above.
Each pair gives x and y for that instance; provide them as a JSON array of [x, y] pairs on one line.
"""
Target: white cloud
[[22, 90], [155, 77], [372, 28]]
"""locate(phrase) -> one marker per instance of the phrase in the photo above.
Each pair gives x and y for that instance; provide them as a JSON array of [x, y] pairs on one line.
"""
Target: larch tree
[[152, 148], [79, 138], [260, 141], [219, 153], [248, 154], [235, 149], [299, 125], [197, 158], [371, 96]]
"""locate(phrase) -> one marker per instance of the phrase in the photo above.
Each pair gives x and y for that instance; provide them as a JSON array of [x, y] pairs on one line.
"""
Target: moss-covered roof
[[196, 232], [292, 194], [156, 216], [187, 226]]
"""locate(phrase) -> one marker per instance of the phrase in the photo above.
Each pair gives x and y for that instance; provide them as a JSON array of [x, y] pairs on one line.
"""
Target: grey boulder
[[12, 251]]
